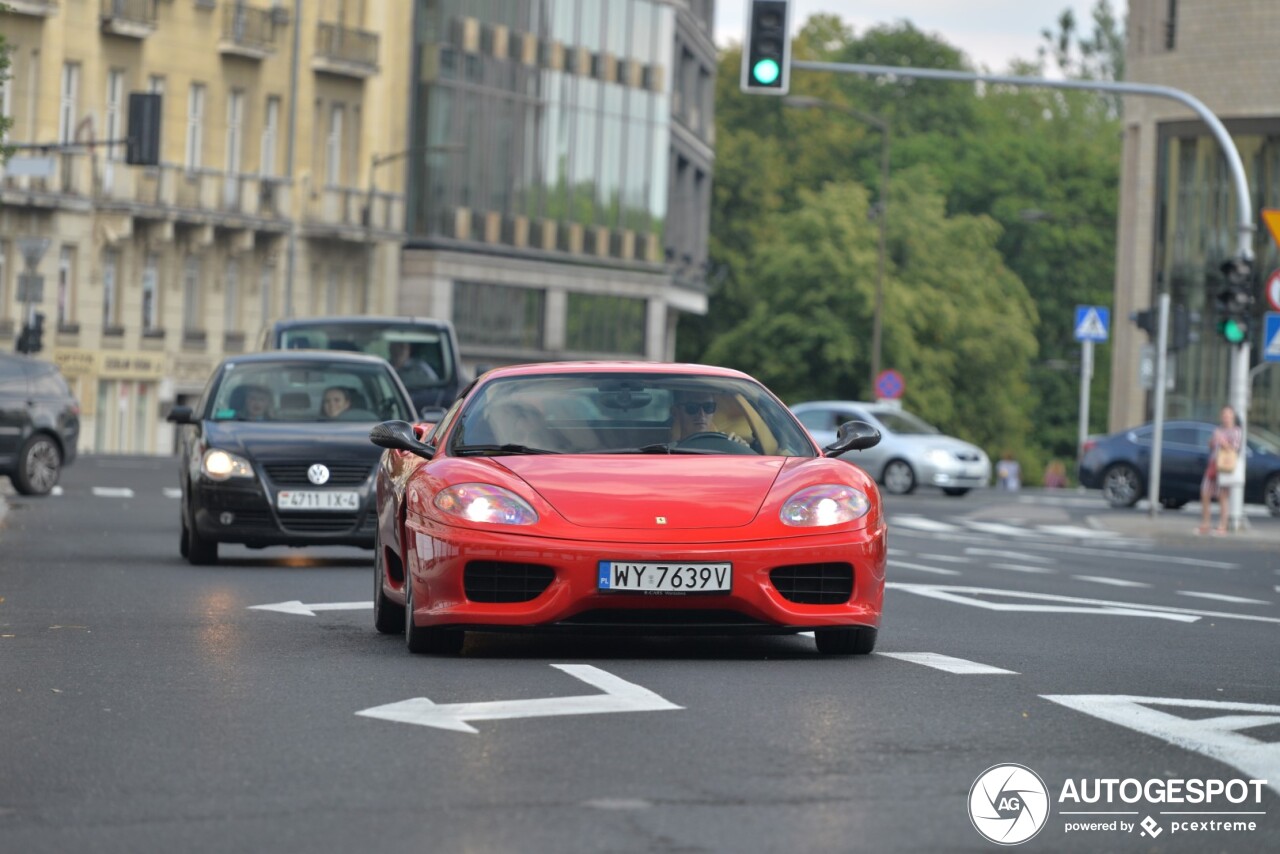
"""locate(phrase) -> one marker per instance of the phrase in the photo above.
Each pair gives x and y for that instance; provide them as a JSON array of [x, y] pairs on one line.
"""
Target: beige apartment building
[[1178, 219], [266, 201]]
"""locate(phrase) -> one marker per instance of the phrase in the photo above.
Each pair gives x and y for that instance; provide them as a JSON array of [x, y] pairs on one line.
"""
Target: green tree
[[5, 121]]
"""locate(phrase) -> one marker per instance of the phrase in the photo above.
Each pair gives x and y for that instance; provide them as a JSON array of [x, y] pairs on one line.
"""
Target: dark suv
[[39, 423]]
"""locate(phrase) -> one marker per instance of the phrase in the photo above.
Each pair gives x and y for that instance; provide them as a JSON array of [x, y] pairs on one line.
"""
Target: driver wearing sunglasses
[[694, 412]]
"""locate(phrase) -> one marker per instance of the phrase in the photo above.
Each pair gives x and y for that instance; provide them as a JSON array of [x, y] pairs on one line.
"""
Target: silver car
[[910, 453]]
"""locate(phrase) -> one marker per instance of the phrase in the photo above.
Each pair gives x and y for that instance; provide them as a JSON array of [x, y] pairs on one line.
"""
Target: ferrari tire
[[423, 640], [899, 478], [857, 640], [955, 491], [38, 466], [1121, 485], [388, 616]]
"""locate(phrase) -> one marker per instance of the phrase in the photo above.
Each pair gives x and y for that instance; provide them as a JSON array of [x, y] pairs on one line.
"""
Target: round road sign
[[890, 385], [1273, 290]]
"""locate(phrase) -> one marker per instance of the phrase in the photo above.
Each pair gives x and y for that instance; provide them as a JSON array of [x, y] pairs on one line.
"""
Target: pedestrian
[[1223, 471], [1008, 473], [1055, 475]]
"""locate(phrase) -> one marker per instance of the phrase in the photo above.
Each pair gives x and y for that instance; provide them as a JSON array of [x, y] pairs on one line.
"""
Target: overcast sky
[[991, 32]]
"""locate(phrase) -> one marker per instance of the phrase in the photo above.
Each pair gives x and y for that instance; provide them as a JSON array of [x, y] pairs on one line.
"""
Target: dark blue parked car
[[1120, 464]]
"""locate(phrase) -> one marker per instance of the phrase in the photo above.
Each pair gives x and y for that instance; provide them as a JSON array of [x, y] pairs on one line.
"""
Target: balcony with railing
[[247, 31], [133, 19], [345, 51], [57, 180], [38, 8], [170, 191], [353, 213]]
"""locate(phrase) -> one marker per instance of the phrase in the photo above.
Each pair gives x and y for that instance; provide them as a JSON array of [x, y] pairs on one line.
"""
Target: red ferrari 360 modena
[[642, 497]]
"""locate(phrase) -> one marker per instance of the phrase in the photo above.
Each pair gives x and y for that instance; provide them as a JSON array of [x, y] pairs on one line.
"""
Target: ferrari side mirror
[[853, 436]]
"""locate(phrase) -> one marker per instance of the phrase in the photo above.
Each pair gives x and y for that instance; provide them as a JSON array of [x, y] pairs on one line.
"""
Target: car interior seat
[[295, 400]]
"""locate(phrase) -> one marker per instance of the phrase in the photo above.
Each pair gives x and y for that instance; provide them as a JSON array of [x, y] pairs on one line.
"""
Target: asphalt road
[[148, 705]]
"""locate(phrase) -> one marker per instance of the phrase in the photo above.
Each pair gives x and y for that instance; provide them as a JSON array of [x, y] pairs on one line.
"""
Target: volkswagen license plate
[[291, 499], [625, 577]]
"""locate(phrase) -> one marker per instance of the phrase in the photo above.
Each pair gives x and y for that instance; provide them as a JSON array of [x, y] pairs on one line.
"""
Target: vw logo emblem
[[318, 474]]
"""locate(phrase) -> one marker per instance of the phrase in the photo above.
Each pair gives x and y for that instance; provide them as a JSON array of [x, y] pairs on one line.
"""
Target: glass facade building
[[559, 174]]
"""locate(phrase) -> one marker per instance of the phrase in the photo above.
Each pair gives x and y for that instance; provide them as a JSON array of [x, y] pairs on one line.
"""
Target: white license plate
[[288, 499], [616, 575]]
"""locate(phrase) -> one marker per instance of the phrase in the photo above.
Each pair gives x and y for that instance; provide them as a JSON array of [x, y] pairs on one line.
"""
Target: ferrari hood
[[633, 491]]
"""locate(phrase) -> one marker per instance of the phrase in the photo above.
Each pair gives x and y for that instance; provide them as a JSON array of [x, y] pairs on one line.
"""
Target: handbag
[[1227, 459]]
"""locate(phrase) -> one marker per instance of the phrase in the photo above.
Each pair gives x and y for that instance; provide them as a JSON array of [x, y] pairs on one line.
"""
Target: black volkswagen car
[[1120, 465], [39, 423], [276, 451]]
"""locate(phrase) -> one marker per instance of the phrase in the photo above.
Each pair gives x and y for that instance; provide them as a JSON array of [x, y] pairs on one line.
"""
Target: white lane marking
[[57, 490], [1217, 737], [1222, 597], [920, 523], [948, 663], [944, 558], [1158, 558], [619, 696], [897, 552], [1114, 582], [112, 492], [902, 564], [1070, 604], [997, 528], [296, 607], [1008, 554], [172, 492], [1018, 567], [1076, 531]]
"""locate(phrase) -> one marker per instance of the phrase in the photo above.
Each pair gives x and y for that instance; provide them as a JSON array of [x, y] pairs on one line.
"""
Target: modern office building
[[1178, 208], [265, 202], [559, 185]]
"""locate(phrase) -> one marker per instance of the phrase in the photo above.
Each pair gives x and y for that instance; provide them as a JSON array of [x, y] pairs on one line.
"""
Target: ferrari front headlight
[[824, 505], [218, 464], [482, 502]]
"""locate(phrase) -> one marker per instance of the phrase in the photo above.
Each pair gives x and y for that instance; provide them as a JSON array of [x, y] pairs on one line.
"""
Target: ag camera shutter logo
[[1008, 804]]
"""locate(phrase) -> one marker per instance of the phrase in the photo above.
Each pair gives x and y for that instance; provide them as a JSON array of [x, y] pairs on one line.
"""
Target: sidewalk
[[1182, 526]]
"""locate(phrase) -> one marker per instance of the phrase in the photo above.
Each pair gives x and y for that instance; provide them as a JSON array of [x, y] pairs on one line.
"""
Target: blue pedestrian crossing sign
[[1271, 337], [1092, 322]]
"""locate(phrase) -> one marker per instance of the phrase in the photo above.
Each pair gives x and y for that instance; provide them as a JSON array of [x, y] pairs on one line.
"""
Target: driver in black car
[[694, 412]]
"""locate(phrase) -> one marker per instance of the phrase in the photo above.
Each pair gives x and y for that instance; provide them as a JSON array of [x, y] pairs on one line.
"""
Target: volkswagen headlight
[[481, 502], [218, 464], [823, 505]]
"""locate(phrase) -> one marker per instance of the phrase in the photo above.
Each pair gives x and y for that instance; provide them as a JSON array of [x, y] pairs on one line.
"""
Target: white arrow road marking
[[296, 607], [1218, 738], [112, 492], [1070, 604], [920, 523], [1222, 597], [948, 663], [1114, 582], [619, 696], [902, 564], [172, 492], [1017, 567], [1008, 554]]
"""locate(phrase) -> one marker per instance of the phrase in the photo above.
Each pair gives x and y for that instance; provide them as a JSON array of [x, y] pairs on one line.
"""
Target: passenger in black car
[[252, 403], [337, 400]]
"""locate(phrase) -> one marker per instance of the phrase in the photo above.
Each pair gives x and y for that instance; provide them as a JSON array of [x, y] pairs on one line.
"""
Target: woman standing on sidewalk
[[1223, 472]]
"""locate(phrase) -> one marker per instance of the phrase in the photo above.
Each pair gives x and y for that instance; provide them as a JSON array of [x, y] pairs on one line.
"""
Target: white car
[[911, 452]]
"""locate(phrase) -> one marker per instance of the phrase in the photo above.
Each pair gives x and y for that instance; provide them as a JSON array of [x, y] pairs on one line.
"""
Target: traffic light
[[31, 338], [1234, 300], [1186, 328], [1146, 321], [766, 54]]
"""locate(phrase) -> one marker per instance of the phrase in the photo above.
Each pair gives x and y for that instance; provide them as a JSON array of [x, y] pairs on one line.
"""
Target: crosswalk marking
[[1222, 597], [1008, 554], [1114, 582], [1017, 567], [948, 663], [998, 528], [920, 523], [1075, 531], [902, 564]]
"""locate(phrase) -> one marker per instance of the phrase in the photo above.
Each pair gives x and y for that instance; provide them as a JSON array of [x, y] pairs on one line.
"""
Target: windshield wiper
[[497, 450], [659, 448]]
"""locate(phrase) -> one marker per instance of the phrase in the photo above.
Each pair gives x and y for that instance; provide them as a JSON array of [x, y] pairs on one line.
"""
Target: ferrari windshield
[[312, 390], [610, 413]]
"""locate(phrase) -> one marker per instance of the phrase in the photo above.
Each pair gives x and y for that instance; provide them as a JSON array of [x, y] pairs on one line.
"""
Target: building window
[[270, 133], [155, 84], [266, 277], [231, 296], [150, 281], [498, 315], [599, 323], [68, 105], [6, 95], [1171, 26], [333, 147], [235, 121], [195, 126], [113, 131], [192, 319], [66, 285], [110, 262], [4, 282]]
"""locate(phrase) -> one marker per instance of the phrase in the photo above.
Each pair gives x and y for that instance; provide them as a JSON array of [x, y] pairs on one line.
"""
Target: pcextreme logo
[[1008, 804]]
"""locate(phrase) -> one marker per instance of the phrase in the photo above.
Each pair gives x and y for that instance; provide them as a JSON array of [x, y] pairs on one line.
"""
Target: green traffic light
[[766, 71], [1234, 330]]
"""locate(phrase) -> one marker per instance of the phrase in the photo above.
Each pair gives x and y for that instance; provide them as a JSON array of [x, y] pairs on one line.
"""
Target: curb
[[1265, 533]]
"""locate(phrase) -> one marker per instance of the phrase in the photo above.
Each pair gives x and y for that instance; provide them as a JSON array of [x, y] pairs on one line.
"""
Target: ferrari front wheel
[[856, 640], [421, 639]]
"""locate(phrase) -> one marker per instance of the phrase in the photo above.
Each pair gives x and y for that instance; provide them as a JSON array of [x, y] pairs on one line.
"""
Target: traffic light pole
[[1157, 434], [1238, 383]]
